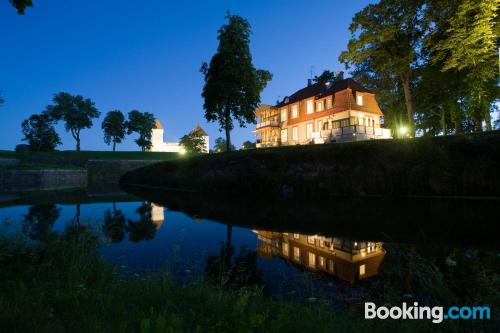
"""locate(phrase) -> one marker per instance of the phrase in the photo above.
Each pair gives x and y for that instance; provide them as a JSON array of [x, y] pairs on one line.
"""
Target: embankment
[[464, 165]]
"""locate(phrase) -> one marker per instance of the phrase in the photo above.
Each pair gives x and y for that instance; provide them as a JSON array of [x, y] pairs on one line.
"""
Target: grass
[[63, 285], [72, 158]]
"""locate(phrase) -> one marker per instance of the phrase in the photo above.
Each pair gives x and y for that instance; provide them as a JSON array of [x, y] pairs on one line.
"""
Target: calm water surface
[[291, 249]]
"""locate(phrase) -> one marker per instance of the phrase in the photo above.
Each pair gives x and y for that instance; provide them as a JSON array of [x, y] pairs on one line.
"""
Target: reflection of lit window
[[321, 261], [310, 239], [330, 265], [296, 253], [362, 270], [285, 249], [296, 236], [312, 260]]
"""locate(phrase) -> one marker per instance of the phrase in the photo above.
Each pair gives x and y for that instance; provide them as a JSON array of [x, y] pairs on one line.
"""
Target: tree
[[248, 145], [194, 141], [76, 112], [232, 84], [39, 221], [21, 5], [385, 39], [40, 133], [114, 127], [327, 76], [142, 123], [467, 42], [220, 145]]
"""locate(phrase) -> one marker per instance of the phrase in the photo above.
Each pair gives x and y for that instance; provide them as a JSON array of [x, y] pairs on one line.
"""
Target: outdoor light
[[182, 151], [403, 130]]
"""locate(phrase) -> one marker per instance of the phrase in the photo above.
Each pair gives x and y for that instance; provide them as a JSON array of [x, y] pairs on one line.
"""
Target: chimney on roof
[[309, 82], [339, 75]]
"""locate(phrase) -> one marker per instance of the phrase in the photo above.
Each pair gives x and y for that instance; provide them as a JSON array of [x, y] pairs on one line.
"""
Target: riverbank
[[452, 166], [62, 284]]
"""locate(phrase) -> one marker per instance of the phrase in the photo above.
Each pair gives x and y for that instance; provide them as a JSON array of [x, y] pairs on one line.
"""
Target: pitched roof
[[158, 124], [200, 130], [322, 89]]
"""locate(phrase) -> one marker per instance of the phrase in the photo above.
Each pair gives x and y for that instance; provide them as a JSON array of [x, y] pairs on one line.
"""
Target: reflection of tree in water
[[39, 220], [144, 228], [242, 271], [114, 225]]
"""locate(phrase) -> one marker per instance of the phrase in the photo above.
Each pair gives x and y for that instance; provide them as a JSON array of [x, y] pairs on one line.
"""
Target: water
[[341, 250]]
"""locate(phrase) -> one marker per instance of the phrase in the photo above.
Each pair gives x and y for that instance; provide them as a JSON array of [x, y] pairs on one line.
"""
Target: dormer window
[[359, 99], [310, 107], [319, 106]]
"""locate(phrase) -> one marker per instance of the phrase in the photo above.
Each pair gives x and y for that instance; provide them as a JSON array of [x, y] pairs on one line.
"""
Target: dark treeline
[[432, 63]]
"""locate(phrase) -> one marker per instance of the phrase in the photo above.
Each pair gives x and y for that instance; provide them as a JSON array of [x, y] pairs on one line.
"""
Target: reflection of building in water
[[347, 259], [157, 215]]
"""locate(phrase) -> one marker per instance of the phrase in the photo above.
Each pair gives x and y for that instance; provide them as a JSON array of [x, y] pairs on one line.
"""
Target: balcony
[[268, 123], [352, 133]]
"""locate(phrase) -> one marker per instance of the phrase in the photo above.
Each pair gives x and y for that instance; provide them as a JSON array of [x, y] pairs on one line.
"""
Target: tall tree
[[21, 5], [114, 128], [76, 112], [232, 84], [328, 75], [467, 43], [39, 131], [141, 123], [387, 37]]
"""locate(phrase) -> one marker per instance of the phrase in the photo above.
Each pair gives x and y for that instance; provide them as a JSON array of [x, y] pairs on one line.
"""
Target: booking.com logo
[[436, 313]]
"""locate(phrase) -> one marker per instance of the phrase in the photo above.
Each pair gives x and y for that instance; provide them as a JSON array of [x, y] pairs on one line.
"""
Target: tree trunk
[[443, 122], [114, 146], [405, 80], [78, 144], [487, 119], [228, 131]]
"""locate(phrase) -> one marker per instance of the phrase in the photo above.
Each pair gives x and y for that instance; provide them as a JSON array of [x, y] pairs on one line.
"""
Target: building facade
[[337, 111], [158, 145]]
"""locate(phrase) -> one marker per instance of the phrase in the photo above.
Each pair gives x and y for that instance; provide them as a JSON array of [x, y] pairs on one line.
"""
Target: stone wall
[[44, 179]]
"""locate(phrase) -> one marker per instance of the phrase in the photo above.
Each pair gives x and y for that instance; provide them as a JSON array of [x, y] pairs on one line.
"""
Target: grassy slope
[[455, 165]]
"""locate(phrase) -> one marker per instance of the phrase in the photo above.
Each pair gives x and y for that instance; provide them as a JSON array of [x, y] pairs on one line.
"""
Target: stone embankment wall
[[44, 179]]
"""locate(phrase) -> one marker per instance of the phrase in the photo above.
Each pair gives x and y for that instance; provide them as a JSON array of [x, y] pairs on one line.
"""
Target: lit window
[[312, 260], [319, 106], [284, 135], [295, 133], [296, 236], [310, 107], [360, 100], [329, 103], [295, 111], [320, 125], [362, 270], [283, 115], [296, 253], [309, 130], [321, 261], [285, 249]]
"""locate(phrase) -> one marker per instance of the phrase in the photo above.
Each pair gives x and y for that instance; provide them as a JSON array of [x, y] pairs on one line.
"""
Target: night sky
[[125, 55]]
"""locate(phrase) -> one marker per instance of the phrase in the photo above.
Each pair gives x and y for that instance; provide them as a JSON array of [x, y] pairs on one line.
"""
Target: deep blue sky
[[127, 55]]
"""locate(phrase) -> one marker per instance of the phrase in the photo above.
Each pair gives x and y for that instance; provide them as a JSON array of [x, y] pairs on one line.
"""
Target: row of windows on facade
[[320, 106], [328, 125], [312, 262]]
